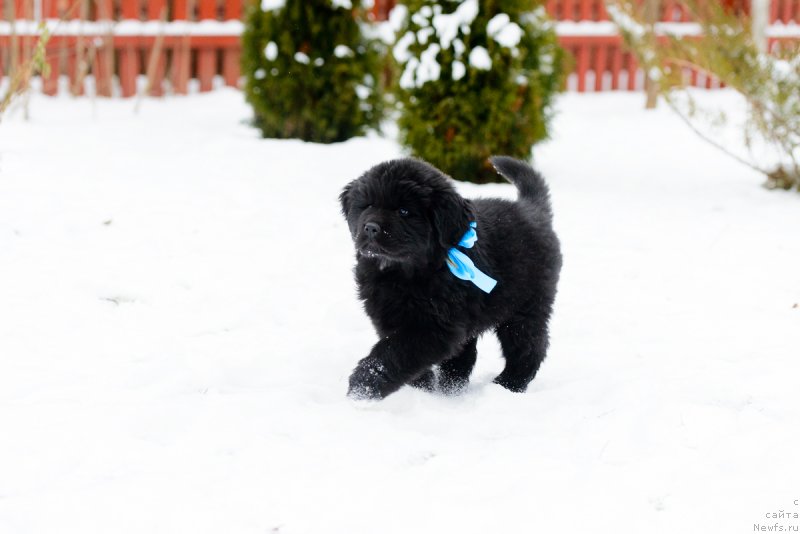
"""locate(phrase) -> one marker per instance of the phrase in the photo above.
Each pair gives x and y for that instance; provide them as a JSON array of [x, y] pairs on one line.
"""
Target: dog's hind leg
[[454, 373], [524, 341]]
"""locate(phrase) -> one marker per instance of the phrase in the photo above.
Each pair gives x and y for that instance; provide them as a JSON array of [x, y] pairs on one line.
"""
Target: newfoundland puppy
[[436, 270]]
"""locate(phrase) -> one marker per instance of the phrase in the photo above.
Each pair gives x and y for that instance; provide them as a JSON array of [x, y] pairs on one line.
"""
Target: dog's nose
[[372, 230]]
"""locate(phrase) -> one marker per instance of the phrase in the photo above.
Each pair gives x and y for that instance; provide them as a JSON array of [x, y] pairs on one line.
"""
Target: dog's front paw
[[370, 380], [426, 381]]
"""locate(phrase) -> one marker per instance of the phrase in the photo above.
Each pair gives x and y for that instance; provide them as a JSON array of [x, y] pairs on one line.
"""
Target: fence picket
[[74, 71], [601, 11], [568, 10], [600, 65], [130, 9], [50, 82], [207, 56], [50, 9], [786, 14], [616, 68], [208, 9], [155, 8], [552, 8], [583, 65], [633, 69], [129, 57], [585, 11], [233, 9], [129, 68], [231, 57]]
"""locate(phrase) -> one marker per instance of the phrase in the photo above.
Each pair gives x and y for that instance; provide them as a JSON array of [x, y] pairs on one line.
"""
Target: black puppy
[[411, 232]]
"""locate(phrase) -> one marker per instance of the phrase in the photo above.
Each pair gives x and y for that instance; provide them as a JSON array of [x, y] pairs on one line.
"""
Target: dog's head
[[404, 211]]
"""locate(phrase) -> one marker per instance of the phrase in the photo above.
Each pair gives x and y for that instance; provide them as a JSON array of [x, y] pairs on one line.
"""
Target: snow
[[179, 321], [401, 50], [429, 69], [302, 57], [479, 58], [270, 5], [620, 17], [397, 17], [422, 17], [342, 51], [786, 31], [448, 25], [385, 31], [509, 36], [624, 19], [407, 80], [459, 47], [431, 21], [363, 92], [424, 34], [418, 71], [546, 63], [459, 70], [783, 71], [125, 28], [271, 51], [654, 74], [497, 23], [346, 4], [501, 29]]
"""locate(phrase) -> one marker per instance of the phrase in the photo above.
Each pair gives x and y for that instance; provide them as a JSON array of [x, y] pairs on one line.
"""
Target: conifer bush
[[476, 78], [311, 73]]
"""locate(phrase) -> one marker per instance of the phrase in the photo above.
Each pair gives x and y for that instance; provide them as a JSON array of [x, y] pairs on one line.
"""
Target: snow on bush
[[475, 79], [269, 5]]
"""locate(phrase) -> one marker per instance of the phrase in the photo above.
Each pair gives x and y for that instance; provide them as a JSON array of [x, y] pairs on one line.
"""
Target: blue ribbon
[[463, 267]]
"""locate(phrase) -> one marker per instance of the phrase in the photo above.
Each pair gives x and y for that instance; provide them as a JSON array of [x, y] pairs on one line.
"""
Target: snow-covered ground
[[178, 321]]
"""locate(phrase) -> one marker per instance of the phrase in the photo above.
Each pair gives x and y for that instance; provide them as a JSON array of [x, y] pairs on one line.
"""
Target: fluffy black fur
[[404, 216]]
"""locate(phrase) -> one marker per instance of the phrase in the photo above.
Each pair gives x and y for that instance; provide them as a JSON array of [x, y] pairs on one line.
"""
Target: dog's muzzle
[[372, 230]]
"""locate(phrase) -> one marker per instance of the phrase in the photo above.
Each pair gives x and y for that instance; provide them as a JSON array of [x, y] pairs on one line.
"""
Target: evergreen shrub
[[311, 72], [477, 78]]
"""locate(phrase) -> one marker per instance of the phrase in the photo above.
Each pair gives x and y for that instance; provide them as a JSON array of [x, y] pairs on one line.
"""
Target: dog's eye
[[403, 212]]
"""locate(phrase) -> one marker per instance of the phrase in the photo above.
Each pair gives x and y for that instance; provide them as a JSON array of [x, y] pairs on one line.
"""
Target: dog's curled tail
[[529, 182]]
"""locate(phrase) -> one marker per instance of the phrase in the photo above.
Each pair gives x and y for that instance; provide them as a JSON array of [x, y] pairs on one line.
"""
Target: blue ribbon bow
[[463, 267]]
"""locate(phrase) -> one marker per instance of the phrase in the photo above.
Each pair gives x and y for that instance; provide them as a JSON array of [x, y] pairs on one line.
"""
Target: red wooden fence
[[175, 41], [601, 63]]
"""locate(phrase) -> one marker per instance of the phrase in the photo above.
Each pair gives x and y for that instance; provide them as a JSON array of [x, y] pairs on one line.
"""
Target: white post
[[759, 11]]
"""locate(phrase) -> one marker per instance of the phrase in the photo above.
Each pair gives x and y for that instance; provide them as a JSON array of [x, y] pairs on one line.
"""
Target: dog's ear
[[344, 199], [452, 214]]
